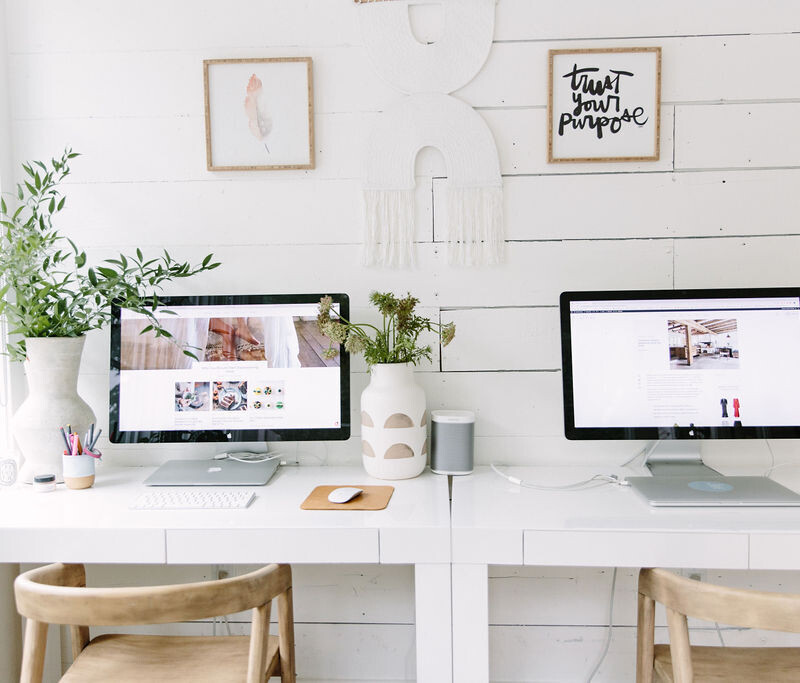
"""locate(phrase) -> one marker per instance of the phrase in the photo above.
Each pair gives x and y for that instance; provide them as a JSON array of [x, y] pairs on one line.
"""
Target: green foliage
[[395, 342], [47, 288]]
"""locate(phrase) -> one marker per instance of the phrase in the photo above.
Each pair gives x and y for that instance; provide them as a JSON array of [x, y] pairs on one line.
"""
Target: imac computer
[[680, 366], [233, 369]]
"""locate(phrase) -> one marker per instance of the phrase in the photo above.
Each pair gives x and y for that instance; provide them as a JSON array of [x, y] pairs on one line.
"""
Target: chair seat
[[734, 664], [148, 659]]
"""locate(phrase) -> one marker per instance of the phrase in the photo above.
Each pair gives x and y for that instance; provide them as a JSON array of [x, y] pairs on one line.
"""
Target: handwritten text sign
[[604, 104]]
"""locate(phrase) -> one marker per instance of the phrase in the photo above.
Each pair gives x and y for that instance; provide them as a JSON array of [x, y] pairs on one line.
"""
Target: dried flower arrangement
[[395, 342]]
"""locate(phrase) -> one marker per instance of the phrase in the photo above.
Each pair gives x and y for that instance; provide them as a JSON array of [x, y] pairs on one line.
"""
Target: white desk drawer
[[636, 549], [254, 546], [775, 551], [144, 546]]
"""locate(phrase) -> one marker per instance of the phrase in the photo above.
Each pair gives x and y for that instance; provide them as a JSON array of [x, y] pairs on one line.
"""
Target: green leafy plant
[[397, 341], [48, 289]]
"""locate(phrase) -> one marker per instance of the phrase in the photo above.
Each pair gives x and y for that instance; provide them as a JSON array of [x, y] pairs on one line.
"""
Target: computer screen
[[236, 368], [681, 364]]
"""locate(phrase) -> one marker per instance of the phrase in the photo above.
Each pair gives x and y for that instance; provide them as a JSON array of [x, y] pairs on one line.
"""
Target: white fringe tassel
[[389, 220], [475, 226]]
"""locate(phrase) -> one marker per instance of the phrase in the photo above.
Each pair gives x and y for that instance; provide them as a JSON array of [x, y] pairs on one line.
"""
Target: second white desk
[[495, 522]]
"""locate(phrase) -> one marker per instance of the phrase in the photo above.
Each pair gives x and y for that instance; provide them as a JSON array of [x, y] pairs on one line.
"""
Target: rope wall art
[[474, 192], [429, 116]]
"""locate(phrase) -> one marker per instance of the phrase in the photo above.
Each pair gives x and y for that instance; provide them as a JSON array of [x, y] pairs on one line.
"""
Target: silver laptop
[[721, 491], [225, 472]]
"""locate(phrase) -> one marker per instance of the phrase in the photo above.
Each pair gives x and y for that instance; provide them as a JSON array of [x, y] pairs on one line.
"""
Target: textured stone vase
[[394, 441], [51, 368]]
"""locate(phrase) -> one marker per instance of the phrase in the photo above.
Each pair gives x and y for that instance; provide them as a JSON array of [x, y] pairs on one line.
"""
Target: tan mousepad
[[373, 498]]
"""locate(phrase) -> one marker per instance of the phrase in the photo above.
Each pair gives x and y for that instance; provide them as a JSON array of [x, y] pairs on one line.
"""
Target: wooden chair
[[683, 663], [57, 594]]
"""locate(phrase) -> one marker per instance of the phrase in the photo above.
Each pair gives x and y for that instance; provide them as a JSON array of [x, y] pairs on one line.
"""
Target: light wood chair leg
[[79, 638], [33, 652], [286, 634], [645, 638], [259, 635], [679, 647], [79, 635]]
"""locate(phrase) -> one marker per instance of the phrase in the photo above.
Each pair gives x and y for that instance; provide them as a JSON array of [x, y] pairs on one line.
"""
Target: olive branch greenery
[[47, 288], [396, 341]]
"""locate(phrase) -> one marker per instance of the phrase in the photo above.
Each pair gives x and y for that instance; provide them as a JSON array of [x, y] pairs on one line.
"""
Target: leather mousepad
[[373, 498]]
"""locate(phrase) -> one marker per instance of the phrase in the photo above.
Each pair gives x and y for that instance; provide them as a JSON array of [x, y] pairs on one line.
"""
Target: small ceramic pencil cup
[[78, 471]]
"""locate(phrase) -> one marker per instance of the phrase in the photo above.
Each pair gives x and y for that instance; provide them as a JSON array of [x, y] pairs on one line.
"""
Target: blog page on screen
[[662, 363], [258, 366]]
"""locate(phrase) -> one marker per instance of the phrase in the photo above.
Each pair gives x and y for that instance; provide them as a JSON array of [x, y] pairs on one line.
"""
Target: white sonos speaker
[[452, 441]]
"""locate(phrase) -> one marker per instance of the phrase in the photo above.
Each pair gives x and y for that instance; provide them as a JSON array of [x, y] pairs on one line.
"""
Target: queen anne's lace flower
[[355, 343], [448, 332], [397, 341]]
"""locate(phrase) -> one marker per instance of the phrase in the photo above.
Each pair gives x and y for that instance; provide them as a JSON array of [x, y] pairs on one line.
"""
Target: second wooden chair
[[680, 662]]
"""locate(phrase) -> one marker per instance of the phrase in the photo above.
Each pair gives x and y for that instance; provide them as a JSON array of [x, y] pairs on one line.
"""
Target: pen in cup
[[96, 437], [64, 436]]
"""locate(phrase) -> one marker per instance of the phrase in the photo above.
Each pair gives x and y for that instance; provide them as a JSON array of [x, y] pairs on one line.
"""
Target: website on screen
[[259, 366], [707, 362]]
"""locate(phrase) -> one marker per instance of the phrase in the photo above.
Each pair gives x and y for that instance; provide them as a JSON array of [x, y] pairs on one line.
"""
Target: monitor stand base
[[678, 458]]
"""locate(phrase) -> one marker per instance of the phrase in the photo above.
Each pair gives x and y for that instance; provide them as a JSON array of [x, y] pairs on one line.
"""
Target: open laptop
[[710, 491], [211, 472]]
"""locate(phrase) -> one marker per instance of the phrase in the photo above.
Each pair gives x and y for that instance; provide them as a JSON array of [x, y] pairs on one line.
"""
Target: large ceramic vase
[[393, 423], [51, 368]]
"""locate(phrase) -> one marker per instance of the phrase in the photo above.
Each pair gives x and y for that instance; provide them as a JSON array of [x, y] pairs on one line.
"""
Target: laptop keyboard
[[199, 498]]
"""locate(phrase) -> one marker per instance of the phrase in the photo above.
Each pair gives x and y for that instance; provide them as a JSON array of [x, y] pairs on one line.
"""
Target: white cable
[[609, 630], [783, 464], [771, 459], [646, 451], [772, 467], [592, 482], [719, 634]]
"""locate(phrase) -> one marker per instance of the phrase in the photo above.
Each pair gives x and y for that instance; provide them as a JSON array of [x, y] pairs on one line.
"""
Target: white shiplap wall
[[122, 83]]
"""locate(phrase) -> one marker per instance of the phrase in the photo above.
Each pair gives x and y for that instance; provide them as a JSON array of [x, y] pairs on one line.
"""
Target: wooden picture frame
[[259, 113], [604, 104]]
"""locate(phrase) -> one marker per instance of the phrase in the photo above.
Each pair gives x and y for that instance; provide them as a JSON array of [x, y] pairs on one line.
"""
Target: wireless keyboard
[[193, 499]]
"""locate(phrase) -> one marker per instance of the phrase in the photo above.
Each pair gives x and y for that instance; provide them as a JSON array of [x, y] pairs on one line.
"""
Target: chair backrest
[[732, 606], [56, 594]]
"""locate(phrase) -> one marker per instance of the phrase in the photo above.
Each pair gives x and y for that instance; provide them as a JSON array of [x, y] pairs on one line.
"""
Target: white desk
[[493, 522], [497, 522], [96, 526]]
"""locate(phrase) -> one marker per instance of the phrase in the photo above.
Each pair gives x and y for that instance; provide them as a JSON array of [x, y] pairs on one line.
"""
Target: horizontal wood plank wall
[[122, 83]]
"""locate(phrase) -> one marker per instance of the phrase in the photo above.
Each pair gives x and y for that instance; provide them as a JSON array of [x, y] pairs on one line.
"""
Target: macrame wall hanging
[[429, 116]]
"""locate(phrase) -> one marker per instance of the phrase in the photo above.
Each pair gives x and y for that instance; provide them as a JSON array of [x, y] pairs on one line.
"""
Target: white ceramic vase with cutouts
[[394, 441], [51, 367]]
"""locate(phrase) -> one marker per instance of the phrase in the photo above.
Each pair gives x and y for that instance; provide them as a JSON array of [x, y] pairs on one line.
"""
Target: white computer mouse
[[344, 494]]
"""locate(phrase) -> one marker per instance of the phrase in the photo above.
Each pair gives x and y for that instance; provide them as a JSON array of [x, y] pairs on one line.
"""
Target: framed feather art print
[[259, 114]]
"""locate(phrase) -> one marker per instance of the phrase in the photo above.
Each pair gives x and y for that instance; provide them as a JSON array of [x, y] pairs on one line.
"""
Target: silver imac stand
[[678, 458]]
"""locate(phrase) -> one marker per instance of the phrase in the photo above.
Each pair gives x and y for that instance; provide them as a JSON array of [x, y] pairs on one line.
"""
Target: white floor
[[706, 363]]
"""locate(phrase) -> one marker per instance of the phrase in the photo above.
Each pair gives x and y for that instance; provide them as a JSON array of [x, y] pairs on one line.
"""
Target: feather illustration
[[258, 120]]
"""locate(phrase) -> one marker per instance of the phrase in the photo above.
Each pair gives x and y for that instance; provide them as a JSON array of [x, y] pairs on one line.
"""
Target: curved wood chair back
[[57, 594], [684, 598], [732, 606]]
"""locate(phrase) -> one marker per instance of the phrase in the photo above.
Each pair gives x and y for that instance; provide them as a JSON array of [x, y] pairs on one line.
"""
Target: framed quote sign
[[604, 104]]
